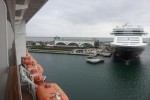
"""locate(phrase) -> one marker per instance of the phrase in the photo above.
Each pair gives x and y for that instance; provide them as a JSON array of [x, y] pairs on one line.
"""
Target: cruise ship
[[17, 78], [128, 42]]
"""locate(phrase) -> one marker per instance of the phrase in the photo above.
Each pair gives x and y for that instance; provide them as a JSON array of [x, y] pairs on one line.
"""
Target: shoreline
[[54, 52], [104, 54]]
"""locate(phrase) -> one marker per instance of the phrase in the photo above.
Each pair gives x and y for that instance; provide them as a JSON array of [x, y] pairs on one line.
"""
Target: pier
[[71, 47]]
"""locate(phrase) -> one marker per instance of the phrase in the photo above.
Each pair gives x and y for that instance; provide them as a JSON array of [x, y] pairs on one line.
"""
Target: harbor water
[[111, 80]]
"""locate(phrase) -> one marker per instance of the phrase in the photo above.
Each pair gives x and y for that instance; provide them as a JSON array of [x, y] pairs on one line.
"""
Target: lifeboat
[[39, 79], [36, 73], [44, 91], [28, 56], [50, 91], [33, 62], [38, 69], [29, 61]]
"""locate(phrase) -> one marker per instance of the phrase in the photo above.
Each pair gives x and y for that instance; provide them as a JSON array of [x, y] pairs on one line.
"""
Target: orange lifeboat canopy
[[33, 62], [51, 92], [38, 70], [28, 55], [30, 63], [27, 62], [39, 79]]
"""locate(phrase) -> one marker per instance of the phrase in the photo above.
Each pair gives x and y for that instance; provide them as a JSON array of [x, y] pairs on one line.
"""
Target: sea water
[[111, 80]]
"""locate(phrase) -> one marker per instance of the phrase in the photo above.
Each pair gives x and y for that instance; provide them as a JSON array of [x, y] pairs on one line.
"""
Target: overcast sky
[[88, 18]]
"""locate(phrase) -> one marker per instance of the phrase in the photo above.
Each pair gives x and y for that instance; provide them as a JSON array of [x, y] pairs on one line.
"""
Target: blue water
[[112, 80]]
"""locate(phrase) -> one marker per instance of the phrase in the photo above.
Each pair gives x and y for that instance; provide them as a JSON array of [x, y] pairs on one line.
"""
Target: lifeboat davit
[[50, 91], [36, 72]]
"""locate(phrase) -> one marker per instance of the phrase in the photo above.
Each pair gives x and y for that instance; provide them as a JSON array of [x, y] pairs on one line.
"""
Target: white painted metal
[[17, 22], [130, 41], [128, 36], [18, 18], [3, 48], [23, 8], [79, 42], [24, 77], [20, 7], [20, 34]]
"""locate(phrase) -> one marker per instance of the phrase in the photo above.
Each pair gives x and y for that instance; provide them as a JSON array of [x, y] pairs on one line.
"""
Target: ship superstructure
[[128, 42], [17, 82]]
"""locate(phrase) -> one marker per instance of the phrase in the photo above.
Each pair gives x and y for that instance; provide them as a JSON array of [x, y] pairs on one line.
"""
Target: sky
[[87, 18]]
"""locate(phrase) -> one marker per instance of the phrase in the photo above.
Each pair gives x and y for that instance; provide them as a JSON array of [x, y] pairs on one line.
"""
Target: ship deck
[[14, 90]]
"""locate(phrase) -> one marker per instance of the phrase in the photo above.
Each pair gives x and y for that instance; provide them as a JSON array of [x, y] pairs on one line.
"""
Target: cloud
[[87, 18]]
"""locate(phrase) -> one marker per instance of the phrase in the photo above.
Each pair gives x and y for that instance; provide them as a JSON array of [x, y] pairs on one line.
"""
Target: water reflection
[[127, 80], [126, 62]]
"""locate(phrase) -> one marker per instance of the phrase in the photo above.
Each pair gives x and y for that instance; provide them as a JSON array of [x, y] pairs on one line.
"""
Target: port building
[[75, 43]]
